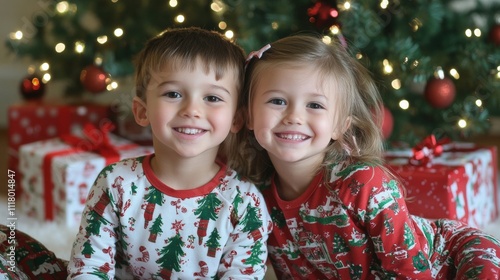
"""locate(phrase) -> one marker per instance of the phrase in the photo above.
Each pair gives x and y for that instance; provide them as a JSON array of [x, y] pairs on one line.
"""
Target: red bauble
[[94, 79], [494, 35], [440, 93], [32, 88], [323, 13], [387, 123]]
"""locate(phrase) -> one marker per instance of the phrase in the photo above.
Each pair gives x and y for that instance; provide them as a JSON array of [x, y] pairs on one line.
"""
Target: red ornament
[[32, 88], [94, 79], [323, 13], [494, 35], [387, 123], [440, 93]]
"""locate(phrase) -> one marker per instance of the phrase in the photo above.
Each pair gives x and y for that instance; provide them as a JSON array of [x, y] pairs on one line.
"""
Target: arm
[[92, 255], [245, 253], [390, 227]]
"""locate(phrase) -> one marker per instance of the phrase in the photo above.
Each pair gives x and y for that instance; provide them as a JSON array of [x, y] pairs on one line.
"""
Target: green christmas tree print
[[213, 243], [278, 218], [107, 169], [236, 204], [355, 271], [87, 250], [393, 186], [133, 189], [473, 272], [252, 222], [206, 211], [255, 253], [388, 224], [155, 229], [170, 257], [100, 274], [350, 169], [122, 236], [409, 238], [339, 244], [420, 262], [94, 223], [153, 197]]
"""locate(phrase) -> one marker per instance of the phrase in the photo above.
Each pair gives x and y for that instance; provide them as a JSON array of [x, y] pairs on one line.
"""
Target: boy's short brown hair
[[181, 47]]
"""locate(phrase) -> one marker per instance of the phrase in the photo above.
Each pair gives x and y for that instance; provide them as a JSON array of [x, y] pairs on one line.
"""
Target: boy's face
[[190, 112], [293, 113]]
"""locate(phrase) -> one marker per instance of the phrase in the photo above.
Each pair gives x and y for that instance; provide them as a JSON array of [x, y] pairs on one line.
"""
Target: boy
[[179, 213]]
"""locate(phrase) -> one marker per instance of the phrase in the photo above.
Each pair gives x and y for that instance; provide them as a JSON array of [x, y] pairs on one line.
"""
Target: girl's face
[[189, 111], [293, 113]]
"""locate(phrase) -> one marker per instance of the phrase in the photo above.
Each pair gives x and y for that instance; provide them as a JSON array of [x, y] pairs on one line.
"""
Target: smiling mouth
[[293, 137], [189, 131]]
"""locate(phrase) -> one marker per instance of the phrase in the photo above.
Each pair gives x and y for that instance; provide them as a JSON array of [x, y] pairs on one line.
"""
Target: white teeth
[[294, 137], [189, 130]]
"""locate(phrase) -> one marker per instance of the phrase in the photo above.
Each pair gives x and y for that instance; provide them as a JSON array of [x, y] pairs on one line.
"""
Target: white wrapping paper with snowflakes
[[460, 183], [57, 175]]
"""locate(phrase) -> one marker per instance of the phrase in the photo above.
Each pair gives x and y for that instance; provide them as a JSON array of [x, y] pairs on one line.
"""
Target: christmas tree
[[437, 66]]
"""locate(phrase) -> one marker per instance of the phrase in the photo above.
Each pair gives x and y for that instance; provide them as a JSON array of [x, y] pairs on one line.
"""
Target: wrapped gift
[[455, 180], [33, 121], [57, 173]]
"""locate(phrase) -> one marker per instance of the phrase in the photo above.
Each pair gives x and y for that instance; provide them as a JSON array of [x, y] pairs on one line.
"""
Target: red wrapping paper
[[460, 183]]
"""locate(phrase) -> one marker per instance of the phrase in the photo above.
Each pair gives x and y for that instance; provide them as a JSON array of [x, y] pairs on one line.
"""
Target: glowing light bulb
[[396, 84], [60, 47], [404, 104], [462, 123], [180, 19], [79, 46], [229, 34], [44, 66], [118, 32]]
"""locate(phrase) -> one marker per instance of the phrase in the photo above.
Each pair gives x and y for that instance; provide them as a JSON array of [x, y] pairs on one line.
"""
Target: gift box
[[34, 121], [456, 181], [57, 173]]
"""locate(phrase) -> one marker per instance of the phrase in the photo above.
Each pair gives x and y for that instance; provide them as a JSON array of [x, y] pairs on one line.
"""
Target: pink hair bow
[[257, 54]]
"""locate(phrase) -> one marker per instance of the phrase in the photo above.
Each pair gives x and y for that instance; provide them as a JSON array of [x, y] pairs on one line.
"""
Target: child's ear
[[140, 112], [238, 120], [338, 132]]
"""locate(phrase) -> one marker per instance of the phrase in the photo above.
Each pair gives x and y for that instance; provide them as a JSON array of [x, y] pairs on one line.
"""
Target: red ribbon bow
[[96, 140], [426, 150]]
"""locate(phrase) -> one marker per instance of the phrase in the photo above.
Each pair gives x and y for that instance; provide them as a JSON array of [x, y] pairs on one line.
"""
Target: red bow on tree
[[426, 150]]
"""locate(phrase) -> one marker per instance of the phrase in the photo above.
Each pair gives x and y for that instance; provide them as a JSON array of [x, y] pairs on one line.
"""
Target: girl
[[336, 211], [180, 213]]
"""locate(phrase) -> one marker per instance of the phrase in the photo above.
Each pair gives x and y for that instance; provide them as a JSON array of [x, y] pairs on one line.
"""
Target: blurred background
[[437, 62]]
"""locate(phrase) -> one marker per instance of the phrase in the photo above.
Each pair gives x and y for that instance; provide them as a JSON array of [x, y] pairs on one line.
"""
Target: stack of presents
[[58, 150]]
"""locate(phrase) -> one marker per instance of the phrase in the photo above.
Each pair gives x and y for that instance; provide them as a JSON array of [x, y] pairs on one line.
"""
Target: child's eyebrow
[[221, 88], [211, 86]]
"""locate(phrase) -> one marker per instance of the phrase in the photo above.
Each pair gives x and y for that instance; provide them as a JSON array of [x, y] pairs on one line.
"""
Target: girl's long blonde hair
[[359, 101]]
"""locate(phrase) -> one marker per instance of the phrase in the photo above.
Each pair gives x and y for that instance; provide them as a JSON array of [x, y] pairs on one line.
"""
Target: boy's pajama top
[[135, 227]]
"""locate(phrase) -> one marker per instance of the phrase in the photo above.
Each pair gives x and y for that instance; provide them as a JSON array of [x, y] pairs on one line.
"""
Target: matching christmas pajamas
[[135, 227], [357, 226]]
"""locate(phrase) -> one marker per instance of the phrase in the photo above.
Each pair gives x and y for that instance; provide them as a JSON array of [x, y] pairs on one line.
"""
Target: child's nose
[[293, 116], [191, 108]]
